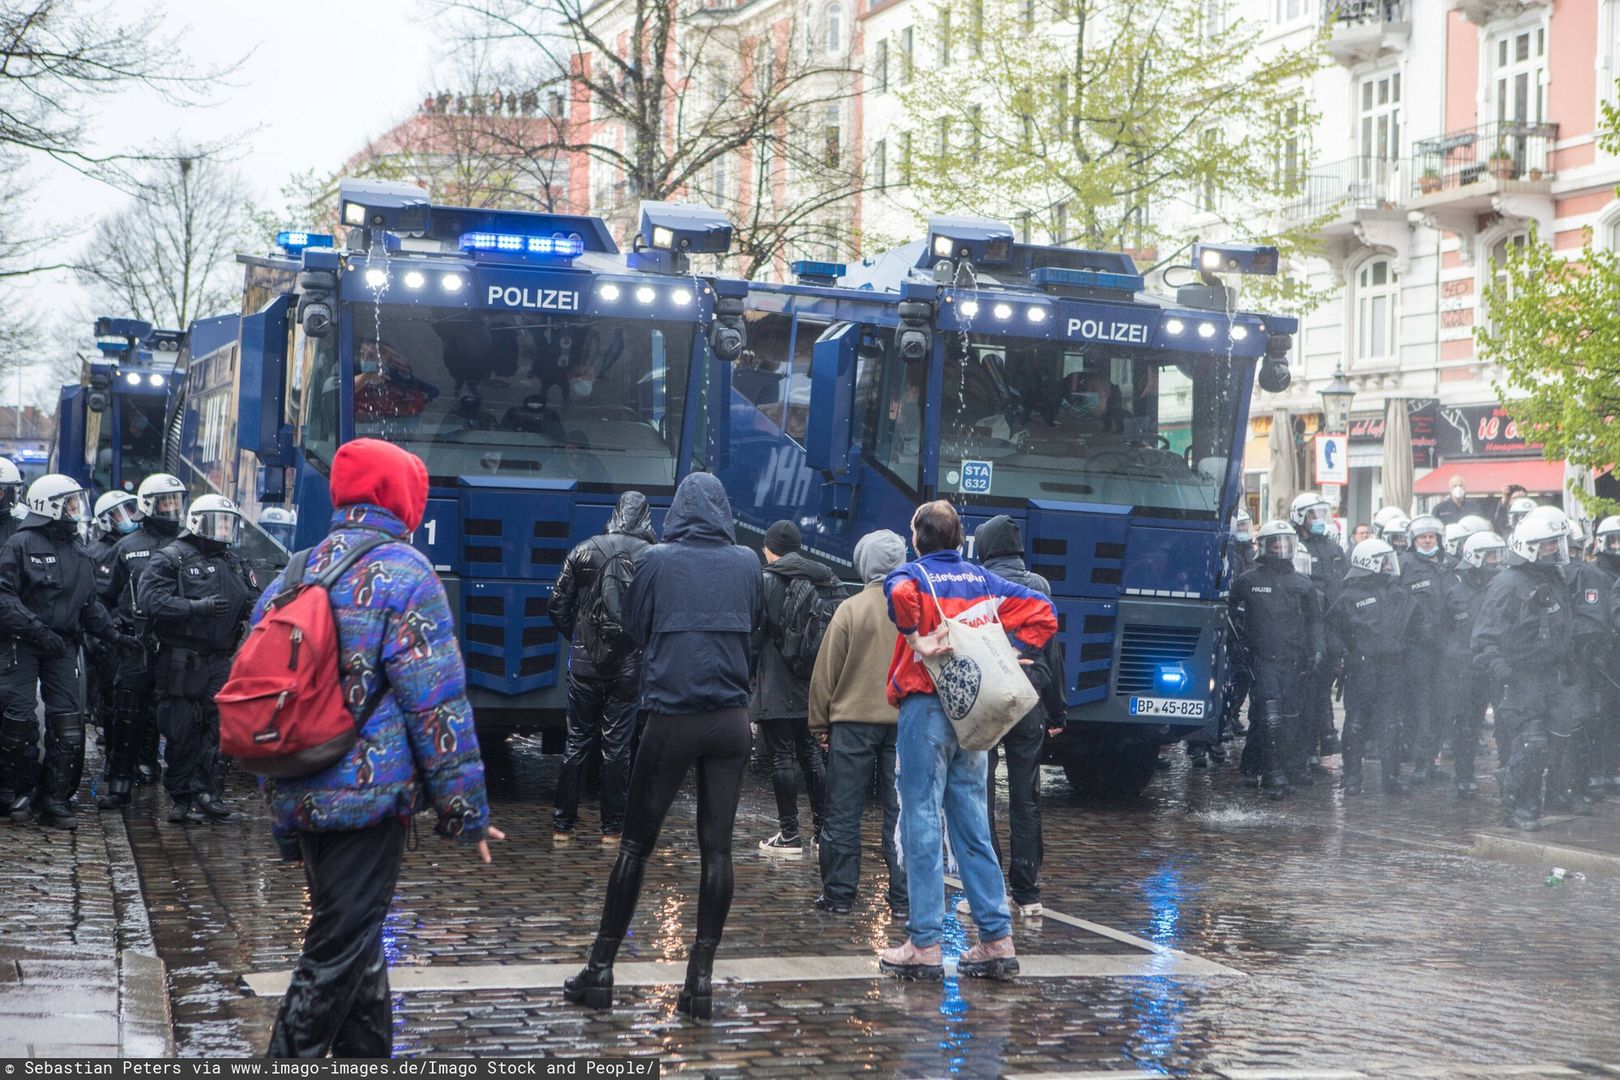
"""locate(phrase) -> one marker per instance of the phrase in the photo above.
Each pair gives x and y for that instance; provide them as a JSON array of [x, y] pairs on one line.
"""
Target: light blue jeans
[[936, 775]]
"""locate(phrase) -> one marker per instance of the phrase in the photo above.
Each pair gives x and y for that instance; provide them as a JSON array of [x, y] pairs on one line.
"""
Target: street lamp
[[1336, 398]]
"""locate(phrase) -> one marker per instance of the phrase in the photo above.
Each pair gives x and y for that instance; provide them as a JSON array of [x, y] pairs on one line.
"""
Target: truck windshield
[[1086, 422], [481, 393]]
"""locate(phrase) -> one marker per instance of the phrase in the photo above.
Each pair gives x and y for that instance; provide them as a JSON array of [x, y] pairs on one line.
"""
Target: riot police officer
[[1522, 640], [116, 517], [1312, 520], [1423, 576], [1372, 620], [197, 593], [279, 523], [11, 493], [1465, 691], [1605, 737], [47, 602], [1239, 560], [132, 743], [1571, 764], [1278, 618], [1518, 510]]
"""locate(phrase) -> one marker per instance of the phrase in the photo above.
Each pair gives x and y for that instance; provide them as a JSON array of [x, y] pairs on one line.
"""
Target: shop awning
[[1489, 477]]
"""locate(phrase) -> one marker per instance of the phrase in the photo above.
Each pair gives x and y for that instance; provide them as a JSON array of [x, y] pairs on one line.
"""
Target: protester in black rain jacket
[[1277, 616], [782, 699], [1465, 690], [999, 546], [1522, 641], [47, 604], [198, 595], [1371, 623], [601, 703], [1423, 575]]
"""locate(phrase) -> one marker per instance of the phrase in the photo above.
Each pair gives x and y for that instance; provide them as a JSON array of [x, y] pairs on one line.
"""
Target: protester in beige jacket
[[851, 714]]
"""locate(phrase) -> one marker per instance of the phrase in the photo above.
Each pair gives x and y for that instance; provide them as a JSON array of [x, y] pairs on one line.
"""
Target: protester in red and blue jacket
[[416, 749], [935, 774]]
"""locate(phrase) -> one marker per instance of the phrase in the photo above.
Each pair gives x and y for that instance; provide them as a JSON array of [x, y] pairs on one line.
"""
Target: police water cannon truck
[[536, 368], [110, 424], [1041, 382]]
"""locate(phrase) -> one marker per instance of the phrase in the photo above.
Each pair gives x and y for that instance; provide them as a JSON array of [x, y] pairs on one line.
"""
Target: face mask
[[1318, 528], [582, 387], [125, 527], [1431, 553], [1458, 492]]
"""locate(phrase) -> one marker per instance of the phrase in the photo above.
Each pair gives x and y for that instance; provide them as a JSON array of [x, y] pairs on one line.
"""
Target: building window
[[835, 29], [1380, 117], [976, 27], [721, 181], [975, 121], [944, 136], [832, 136], [1289, 10], [906, 38], [1611, 234], [880, 67], [1024, 227], [1060, 222], [905, 157], [1507, 249], [1206, 196], [1377, 286], [945, 37], [1287, 172], [880, 165], [1520, 76]]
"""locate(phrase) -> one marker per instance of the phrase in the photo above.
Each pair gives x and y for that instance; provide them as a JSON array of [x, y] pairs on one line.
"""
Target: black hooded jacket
[[47, 582], [782, 694], [695, 605], [120, 579], [999, 546], [630, 529]]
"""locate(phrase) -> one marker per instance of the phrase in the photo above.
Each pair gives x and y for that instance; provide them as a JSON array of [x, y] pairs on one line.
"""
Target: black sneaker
[[211, 808], [780, 848], [833, 907]]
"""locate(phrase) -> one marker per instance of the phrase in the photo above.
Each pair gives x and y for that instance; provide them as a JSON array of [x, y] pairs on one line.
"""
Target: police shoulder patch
[[1591, 596]]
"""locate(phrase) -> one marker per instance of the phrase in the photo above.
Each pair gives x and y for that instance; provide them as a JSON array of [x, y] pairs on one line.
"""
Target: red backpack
[[281, 712]]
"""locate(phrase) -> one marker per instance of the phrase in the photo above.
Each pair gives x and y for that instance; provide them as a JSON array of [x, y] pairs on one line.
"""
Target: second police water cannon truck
[[1040, 382], [110, 424], [538, 370]]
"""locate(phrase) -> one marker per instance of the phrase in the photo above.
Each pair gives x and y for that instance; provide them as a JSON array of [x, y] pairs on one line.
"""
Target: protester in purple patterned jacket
[[416, 749]]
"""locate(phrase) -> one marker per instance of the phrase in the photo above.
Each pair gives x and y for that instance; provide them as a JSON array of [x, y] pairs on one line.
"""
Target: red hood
[[380, 473]]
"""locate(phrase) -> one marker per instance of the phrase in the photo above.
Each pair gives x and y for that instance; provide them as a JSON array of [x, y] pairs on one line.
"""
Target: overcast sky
[[323, 77]]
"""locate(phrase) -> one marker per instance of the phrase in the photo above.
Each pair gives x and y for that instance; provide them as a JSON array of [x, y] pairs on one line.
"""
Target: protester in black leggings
[[694, 605]]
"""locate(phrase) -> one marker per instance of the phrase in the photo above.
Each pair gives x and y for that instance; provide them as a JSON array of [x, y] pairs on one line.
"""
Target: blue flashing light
[[293, 241], [1235, 259], [1045, 276], [556, 245], [1172, 678], [818, 272]]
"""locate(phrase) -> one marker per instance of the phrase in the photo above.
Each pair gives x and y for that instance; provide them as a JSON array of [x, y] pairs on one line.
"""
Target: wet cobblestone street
[[1360, 934]]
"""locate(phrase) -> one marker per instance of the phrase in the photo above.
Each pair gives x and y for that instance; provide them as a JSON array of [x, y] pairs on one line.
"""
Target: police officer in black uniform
[[1571, 764], [1278, 617], [601, 703], [1312, 519], [1423, 575], [11, 493], [47, 602], [116, 517], [132, 742], [1605, 737], [1372, 620], [1464, 690], [198, 594], [1522, 641], [1239, 561]]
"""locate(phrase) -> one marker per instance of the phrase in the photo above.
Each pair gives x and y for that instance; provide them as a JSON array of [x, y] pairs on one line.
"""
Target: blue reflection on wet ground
[[1157, 1004]]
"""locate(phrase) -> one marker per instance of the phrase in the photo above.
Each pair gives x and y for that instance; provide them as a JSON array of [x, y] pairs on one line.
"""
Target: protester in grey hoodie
[[850, 713]]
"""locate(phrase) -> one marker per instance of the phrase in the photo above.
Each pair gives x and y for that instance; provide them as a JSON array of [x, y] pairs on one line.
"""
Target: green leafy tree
[[1553, 323], [1113, 124]]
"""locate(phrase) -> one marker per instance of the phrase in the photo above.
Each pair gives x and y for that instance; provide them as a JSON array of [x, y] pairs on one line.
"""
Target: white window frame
[[1362, 306], [832, 21], [1489, 107]]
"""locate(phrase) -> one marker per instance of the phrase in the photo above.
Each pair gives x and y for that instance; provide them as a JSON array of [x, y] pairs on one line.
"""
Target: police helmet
[[1456, 533], [1540, 539], [214, 517], [1310, 513], [1277, 540], [162, 496], [1395, 532], [116, 513], [1242, 526], [1384, 516], [59, 498], [1373, 557], [1608, 535], [1483, 550], [10, 477], [1474, 523], [1518, 508], [279, 522], [1425, 525]]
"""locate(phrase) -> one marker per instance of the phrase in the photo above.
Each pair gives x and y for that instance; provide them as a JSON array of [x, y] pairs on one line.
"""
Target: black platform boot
[[593, 986], [696, 998]]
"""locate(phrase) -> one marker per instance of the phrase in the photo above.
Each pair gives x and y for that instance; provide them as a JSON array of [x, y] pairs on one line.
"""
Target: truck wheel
[[1113, 770]]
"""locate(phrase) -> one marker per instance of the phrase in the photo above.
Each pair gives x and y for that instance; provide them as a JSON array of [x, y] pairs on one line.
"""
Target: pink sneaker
[[910, 963], [989, 960]]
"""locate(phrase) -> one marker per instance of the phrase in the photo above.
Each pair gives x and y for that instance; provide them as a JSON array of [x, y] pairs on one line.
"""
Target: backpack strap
[[330, 577]]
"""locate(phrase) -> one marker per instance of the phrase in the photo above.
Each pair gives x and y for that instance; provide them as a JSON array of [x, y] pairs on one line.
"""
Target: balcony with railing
[[1470, 168], [1359, 31], [1351, 204], [1482, 12]]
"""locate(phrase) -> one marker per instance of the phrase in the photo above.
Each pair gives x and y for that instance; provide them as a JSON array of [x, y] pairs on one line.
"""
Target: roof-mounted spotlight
[[1235, 259], [685, 228], [980, 241], [383, 204]]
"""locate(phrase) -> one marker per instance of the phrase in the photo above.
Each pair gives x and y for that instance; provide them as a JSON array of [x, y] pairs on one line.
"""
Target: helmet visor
[[1278, 547], [219, 525], [1390, 565], [76, 507], [279, 531], [1609, 543], [1553, 551], [169, 506], [120, 519]]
